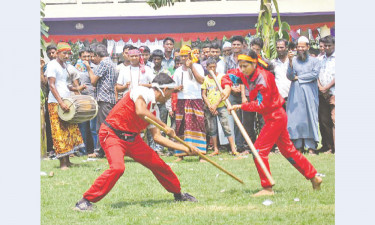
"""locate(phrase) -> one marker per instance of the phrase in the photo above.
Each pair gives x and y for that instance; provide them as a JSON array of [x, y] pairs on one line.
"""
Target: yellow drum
[[82, 108]]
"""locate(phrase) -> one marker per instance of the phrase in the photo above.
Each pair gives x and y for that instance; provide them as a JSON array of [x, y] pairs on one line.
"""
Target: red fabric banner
[[177, 36]]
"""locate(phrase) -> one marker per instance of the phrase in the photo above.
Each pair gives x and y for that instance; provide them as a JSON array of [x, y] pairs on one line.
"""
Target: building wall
[[116, 8]]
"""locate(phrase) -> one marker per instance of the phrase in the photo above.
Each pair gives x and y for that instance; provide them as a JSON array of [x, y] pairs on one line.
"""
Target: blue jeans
[[83, 127], [239, 140]]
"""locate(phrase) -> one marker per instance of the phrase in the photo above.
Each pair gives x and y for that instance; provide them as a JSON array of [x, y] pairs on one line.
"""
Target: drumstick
[[244, 134], [199, 153]]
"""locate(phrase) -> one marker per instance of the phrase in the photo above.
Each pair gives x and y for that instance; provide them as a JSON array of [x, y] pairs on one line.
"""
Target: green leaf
[[286, 35], [285, 26], [42, 5], [44, 26], [277, 12], [44, 33]]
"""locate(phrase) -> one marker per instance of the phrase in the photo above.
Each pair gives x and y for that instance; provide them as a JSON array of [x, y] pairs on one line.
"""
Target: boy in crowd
[[215, 107]]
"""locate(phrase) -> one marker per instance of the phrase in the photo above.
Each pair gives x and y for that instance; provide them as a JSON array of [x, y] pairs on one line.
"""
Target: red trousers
[[115, 149], [275, 131]]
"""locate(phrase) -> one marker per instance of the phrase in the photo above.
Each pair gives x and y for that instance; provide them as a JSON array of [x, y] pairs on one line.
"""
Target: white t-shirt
[[191, 87], [220, 67], [148, 95], [54, 69], [121, 79], [282, 82], [134, 76]]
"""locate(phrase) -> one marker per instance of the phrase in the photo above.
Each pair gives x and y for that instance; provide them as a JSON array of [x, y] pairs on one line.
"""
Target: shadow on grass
[[148, 203], [76, 165]]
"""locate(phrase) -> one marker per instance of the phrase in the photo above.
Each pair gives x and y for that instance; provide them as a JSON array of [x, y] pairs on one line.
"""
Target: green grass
[[138, 198]]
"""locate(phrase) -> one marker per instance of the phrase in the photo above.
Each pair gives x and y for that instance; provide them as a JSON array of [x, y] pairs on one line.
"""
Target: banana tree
[[43, 27], [265, 28]]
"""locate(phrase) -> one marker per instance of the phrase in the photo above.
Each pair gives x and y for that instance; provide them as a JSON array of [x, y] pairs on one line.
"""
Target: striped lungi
[[190, 124]]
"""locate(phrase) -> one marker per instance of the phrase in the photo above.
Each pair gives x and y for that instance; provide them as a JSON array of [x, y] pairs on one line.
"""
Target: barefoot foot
[[179, 159], [316, 182], [214, 153], [264, 192]]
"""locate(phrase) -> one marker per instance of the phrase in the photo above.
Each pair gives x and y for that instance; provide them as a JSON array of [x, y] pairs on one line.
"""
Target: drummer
[[66, 137]]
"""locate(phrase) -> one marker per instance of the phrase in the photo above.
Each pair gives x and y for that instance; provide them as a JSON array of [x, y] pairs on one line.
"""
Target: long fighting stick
[[199, 153], [244, 134]]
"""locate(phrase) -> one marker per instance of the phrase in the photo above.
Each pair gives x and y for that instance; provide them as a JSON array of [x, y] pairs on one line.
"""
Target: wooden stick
[[199, 153], [244, 134]]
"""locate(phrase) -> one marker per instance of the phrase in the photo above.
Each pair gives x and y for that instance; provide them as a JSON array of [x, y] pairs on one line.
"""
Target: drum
[[82, 108]]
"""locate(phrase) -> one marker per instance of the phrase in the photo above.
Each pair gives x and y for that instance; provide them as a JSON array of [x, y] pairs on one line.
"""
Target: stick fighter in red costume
[[119, 137], [266, 100]]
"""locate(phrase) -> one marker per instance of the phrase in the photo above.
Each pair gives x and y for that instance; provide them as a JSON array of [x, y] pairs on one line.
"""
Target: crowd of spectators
[[305, 78]]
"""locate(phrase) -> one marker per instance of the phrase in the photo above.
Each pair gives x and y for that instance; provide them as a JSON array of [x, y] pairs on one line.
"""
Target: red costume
[[123, 117], [266, 100]]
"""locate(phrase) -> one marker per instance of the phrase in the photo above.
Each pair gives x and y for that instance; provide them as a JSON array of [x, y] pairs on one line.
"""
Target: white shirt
[[54, 69], [148, 95], [120, 67], [191, 87], [220, 67], [134, 76], [282, 82], [121, 79], [327, 71]]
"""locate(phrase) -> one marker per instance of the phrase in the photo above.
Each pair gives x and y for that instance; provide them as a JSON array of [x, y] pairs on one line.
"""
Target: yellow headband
[[247, 58]]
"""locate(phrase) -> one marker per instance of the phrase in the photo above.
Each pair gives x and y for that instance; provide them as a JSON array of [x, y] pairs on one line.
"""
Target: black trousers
[[48, 129], [103, 110]]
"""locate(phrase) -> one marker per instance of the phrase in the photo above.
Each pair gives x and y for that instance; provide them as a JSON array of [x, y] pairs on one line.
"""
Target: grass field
[[138, 198]]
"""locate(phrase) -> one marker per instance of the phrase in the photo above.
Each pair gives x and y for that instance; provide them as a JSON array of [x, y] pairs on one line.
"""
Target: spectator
[[157, 58], [321, 50], [122, 86], [326, 84], [280, 67], [235, 96], [303, 100], [215, 52], [66, 136], [314, 52], [94, 58], [256, 45], [176, 53], [51, 54], [227, 49], [215, 108], [177, 63], [103, 78], [205, 53], [88, 127], [171, 104], [146, 53], [189, 113], [168, 44]]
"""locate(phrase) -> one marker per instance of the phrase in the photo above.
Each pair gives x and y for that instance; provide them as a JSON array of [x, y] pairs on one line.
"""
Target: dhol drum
[[82, 108]]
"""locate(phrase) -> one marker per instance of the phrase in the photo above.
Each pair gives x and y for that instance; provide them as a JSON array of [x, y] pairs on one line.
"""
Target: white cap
[[303, 39], [227, 44]]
